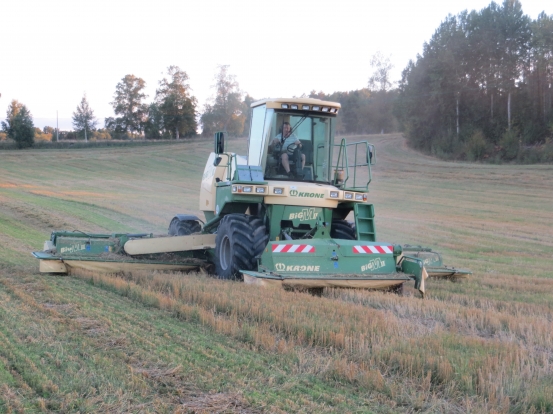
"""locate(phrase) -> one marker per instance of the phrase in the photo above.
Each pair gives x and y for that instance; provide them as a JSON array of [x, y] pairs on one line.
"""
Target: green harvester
[[294, 212]]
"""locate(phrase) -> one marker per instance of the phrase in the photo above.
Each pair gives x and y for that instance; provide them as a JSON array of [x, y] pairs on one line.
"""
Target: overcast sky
[[54, 51]]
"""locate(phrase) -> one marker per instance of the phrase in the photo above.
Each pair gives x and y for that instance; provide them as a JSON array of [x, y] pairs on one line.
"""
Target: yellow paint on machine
[[320, 283], [57, 266], [52, 266], [446, 273], [170, 244]]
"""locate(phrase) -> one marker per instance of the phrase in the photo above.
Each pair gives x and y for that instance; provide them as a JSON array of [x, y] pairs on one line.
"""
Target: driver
[[288, 147]]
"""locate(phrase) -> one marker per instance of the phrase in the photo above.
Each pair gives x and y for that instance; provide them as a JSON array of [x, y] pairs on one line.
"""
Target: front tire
[[342, 229], [183, 227], [240, 240]]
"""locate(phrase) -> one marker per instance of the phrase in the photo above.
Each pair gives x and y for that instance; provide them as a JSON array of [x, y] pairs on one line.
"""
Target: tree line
[[482, 87], [174, 112]]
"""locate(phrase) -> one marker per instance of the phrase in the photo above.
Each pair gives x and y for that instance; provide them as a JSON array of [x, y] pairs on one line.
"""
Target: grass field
[[172, 343]]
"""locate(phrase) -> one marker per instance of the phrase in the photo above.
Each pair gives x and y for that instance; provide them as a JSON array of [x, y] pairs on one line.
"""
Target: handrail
[[342, 164], [230, 170]]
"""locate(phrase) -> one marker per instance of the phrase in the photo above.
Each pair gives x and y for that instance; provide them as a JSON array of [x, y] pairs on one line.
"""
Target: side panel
[[329, 256], [211, 173], [301, 194], [52, 266]]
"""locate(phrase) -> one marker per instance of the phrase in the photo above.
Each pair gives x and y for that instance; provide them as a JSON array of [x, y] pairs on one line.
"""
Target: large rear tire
[[183, 227], [342, 229], [240, 240]]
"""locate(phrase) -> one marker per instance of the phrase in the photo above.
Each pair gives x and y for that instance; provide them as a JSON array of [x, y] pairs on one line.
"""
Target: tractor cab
[[293, 139]]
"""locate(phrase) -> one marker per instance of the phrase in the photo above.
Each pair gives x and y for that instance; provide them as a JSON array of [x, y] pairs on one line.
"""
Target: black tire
[[342, 229], [183, 227], [240, 239]]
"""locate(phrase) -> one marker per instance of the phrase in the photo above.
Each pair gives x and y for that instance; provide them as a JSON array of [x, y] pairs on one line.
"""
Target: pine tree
[[83, 118]]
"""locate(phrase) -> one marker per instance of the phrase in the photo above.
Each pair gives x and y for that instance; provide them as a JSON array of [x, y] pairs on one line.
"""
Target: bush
[[510, 145], [100, 134], [476, 147], [548, 151]]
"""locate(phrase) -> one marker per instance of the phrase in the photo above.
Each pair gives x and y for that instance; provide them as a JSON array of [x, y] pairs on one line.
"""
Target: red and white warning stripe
[[373, 249], [293, 248]]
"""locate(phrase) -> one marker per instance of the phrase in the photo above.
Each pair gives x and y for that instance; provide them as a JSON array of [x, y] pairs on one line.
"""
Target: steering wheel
[[291, 148]]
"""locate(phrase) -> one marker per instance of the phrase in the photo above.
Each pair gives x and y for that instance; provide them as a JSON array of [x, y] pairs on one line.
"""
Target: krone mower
[[276, 217]]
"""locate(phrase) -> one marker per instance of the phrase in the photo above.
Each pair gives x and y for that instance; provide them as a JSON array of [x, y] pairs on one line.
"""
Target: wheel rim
[[225, 254]]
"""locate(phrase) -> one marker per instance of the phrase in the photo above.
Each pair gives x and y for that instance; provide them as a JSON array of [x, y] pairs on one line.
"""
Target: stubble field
[[169, 343]]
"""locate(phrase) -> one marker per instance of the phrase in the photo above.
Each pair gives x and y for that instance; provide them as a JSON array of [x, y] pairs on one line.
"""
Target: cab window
[[314, 134]]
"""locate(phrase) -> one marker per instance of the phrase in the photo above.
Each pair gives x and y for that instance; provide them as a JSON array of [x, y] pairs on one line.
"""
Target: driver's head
[[286, 129]]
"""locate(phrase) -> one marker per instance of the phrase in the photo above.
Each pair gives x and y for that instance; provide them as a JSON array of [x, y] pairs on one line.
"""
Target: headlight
[[247, 188], [278, 190], [234, 189], [333, 110], [334, 194], [325, 109], [359, 197], [260, 189], [316, 108], [305, 107], [285, 106], [348, 196], [294, 106]]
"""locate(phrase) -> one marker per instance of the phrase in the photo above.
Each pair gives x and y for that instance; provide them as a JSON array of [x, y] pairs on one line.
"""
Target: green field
[[172, 343]]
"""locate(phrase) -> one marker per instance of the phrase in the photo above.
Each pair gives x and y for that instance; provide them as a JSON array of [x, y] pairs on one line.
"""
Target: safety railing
[[350, 174]]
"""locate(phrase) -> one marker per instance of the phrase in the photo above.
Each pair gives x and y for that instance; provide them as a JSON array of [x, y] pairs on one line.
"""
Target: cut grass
[[108, 351]]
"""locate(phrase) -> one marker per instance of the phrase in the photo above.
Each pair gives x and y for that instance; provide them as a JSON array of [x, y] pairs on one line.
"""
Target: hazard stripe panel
[[293, 248], [373, 249]]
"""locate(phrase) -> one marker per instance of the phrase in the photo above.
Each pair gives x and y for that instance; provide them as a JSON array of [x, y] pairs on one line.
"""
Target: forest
[[482, 88]]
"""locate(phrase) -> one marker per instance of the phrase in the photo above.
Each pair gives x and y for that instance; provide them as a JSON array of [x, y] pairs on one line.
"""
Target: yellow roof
[[276, 103]]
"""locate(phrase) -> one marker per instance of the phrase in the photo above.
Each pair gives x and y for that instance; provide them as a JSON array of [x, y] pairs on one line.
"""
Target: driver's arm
[[274, 144]]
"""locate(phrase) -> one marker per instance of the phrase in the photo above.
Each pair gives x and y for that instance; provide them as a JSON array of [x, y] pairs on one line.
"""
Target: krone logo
[[295, 193], [280, 267]]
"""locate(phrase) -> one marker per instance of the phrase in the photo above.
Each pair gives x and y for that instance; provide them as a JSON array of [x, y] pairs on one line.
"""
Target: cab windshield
[[297, 147]]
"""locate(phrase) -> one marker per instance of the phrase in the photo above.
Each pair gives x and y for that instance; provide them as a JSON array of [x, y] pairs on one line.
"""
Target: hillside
[[167, 343]]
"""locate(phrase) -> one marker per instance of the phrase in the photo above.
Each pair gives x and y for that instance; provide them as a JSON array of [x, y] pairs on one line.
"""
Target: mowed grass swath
[[164, 342]]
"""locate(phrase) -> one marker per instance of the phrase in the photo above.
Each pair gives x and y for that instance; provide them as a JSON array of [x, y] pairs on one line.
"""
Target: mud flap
[[415, 267]]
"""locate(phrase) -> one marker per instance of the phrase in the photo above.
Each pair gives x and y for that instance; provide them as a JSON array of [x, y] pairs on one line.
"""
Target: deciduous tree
[[380, 80], [127, 102], [225, 111], [176, 105], [19, 125], [153, 128]]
